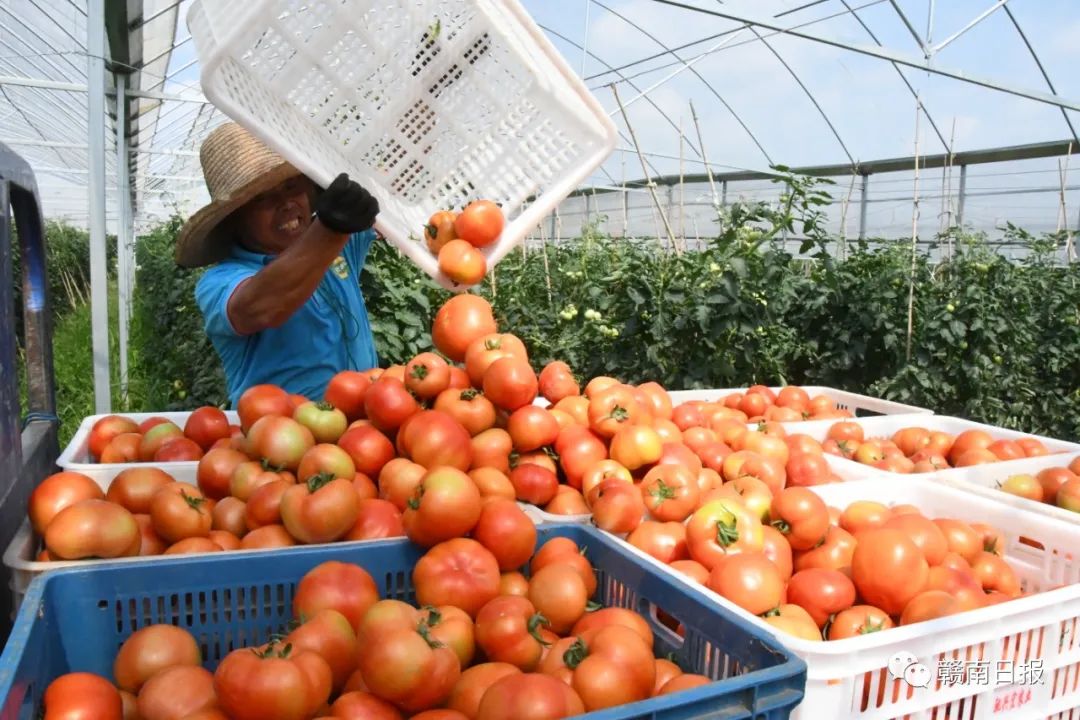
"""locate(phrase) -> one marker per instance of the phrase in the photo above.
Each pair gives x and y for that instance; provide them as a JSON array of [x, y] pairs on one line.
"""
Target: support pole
[[95, 140], [863, 205], [961, 197], [124, 232]]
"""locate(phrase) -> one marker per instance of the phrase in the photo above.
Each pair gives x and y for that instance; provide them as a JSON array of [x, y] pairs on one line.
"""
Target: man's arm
[[273, 294]]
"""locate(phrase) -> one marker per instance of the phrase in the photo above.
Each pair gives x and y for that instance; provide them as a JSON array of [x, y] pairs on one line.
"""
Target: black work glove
[[345, 207]]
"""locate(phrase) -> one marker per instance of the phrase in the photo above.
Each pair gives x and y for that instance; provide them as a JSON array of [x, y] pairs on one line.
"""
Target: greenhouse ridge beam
[[883, 54], [874, 167]]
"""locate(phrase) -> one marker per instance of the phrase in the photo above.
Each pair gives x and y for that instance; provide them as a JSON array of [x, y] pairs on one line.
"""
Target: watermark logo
[[905, 666]]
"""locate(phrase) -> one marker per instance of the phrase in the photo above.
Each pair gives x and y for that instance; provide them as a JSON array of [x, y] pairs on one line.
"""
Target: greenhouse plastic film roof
[[799, 83]]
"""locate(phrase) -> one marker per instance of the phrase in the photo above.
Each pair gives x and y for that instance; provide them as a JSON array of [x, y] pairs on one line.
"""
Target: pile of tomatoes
[[820, 573], [1058, 486], [457, 238], [485, 644], [790, 404], [918, 450]]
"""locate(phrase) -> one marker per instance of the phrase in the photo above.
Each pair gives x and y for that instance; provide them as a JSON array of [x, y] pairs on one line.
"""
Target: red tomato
[[469, 407], [507, 532], [150, 543], [721, 528], [563, 550], [329, 635], [578, 449], [268, 536], [93, 529], [435, 439], [362, 705], [375, 519], [151, 649], [859, 620], [180, 511], [461, 319], [483, 351], [82, 696], [801, 516], [510, 383], [344, 587], [427, 375], [453, 628], [159, 699], [665, 541], [530, 696], [508, 631], [670, 492], [321, 510], [272, 683], [123, 448], [56, 492], [406, 667], [388, 404], [610, 409], [567, 501], [135, 487], [446, 505], [776, 548], [750, 580], [531, 428], [480, 223], [470, 688], [369, 449], [559, 594], [864, 515], [995, 575], [215, 470], [834, 554], [926, 535], [617, 507], [325, 459], [821, 592], [534, 484], [609, 666], [398, 481], [206, 426], [346, 391], [260, 400], [557, 381], [459, 572], [281, 441], [105, 429], [929, 605], [888, 569]]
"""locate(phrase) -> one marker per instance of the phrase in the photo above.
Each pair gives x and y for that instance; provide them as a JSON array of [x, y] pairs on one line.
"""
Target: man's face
[[273, 220]]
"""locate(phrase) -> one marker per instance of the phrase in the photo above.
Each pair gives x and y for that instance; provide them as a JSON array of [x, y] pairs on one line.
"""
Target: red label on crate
[[1011, 698]]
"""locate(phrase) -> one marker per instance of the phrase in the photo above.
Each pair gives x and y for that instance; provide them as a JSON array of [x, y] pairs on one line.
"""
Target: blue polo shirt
[[329, 333]]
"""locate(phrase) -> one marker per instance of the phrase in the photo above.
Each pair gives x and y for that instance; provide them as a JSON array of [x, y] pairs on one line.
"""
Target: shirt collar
[[243, 254]]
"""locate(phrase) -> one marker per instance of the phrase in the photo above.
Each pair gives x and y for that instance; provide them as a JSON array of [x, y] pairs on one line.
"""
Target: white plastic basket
[[76, 456], [984, 479], [886, 425], [849, 678], [428, 103], [859, 405]]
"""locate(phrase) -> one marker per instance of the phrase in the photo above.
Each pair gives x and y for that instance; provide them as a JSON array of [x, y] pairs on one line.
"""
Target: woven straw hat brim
[[203, 240]]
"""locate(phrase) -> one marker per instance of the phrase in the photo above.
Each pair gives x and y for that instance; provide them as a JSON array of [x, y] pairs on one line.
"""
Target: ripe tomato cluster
[[481, 645], [818, 572], [1058, 486], [918, 450], [790, 404], [457, 238]]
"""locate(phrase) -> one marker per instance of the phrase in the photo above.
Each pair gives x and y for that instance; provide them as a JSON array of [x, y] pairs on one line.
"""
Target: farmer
[[281, 302]]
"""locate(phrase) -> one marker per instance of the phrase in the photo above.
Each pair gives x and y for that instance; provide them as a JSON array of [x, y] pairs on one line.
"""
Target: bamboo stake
[[946, 183], [644, 167], [547, 267], [843, 217], [914, 235], [1063, 171], [708, 168], [682, 186]]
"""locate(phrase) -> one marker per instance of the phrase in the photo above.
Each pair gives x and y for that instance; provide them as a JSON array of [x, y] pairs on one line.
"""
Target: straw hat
[[237, 167]]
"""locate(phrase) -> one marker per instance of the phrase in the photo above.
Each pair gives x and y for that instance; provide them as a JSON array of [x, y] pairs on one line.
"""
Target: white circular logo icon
[[917, 675], [900, 662]]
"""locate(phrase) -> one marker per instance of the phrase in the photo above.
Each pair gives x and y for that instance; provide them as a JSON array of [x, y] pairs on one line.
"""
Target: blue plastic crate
[[76, 619]]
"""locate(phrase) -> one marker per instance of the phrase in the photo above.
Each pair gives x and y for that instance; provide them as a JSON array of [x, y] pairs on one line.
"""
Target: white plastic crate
[[850, 678], [427, 103], [76, 456], [984, 479], [885, 426], [859, 405]]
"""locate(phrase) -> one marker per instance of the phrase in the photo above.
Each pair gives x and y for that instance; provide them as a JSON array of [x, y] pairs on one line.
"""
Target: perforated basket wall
[[428, 103]]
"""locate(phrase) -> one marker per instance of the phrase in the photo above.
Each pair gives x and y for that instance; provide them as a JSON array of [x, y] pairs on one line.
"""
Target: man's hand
[[345, 207]]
